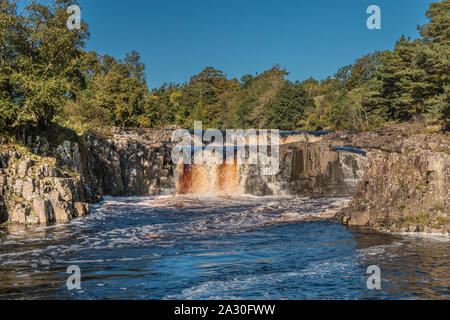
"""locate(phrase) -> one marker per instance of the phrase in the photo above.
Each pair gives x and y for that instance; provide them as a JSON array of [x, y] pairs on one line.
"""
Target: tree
[[438, 28], [120, 87], [402, 82], [10, 30], [40, 61], [414, 76], [288, 107]]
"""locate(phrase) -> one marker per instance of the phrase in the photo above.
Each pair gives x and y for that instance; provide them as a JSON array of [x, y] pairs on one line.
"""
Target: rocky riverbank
[[43, 184], [128, 163], [398, 179], [33, 190], [406, 183]]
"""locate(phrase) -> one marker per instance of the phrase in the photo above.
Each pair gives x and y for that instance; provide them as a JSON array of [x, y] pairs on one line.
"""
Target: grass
[[441, 221], [421, 186], [421, 220]]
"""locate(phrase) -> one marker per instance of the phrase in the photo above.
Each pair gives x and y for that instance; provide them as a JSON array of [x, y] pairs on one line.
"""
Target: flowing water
[[241, 247]]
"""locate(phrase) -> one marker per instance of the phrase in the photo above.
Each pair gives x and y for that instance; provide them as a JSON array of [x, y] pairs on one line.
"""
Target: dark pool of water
[[218, 248]]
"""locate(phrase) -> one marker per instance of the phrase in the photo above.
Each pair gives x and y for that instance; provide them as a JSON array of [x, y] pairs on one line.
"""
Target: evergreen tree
[[288, 107]]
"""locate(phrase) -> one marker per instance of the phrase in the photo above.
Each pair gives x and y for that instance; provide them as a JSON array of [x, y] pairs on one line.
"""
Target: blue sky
[[177, 39]]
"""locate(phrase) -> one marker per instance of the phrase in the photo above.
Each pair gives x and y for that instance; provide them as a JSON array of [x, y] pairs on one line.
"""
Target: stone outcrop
[[309, 165], [316, 169], [308, 169], [127, 164], [44, 184], [34, 191], [405, 186]]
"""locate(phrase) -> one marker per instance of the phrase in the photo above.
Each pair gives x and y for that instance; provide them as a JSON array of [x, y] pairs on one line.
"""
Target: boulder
[[81, 209], [42, 208], [63, 211], [24, 165], [19, 213], [359, 219]]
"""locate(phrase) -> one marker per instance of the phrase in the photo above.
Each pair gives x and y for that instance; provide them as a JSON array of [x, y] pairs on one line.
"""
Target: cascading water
[[225, 176], [352, 168], [307, 166], [209, 179]]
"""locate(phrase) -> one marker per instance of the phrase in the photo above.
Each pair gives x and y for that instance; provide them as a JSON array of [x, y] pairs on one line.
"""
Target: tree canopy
[[47, 76]]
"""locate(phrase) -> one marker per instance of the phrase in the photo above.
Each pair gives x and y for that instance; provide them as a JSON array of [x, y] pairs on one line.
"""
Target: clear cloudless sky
[[177, 39]]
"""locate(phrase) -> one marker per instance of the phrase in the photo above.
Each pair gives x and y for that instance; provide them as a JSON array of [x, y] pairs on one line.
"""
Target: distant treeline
[[47, 77]]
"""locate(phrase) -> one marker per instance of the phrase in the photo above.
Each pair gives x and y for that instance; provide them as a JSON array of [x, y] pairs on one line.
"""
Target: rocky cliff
[[320, 168], [34, 191], [310, 169], [405, 186], [127, 163], [42, 184]]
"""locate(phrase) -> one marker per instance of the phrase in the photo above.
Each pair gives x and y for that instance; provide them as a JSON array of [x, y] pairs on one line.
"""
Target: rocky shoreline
[[405, 190], [44, 184], [398, 179]]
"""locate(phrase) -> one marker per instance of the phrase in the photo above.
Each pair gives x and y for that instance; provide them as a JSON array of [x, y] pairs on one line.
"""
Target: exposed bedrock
[[33, 191], [127, 164], [406, 189], [316, 169], [399, 181], [44, 184], [309, 169]]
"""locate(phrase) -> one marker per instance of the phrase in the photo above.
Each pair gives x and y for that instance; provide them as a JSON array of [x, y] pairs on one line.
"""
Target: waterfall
[[309, 165], [209, 179], [353, 167]]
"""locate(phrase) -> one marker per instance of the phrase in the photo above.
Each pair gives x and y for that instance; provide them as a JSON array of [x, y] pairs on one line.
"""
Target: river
[[242, 247]]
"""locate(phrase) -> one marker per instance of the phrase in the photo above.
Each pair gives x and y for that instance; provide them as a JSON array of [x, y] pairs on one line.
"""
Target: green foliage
[[46, 75], [438, 29], [83, 115], [408, 82], [288, 108], [414, 76], [39, 62]]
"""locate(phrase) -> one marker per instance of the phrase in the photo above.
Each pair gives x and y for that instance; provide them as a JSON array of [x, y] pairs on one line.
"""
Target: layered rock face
[[34, 191], [127, 164], [317, 169], [42, 184], [308, 169], [405, 186]]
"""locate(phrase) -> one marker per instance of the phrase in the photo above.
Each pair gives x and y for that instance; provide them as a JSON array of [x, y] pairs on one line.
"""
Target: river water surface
[[218, 248]]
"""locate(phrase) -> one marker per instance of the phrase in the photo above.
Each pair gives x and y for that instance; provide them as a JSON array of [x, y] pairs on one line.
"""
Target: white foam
[[445, 237]]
